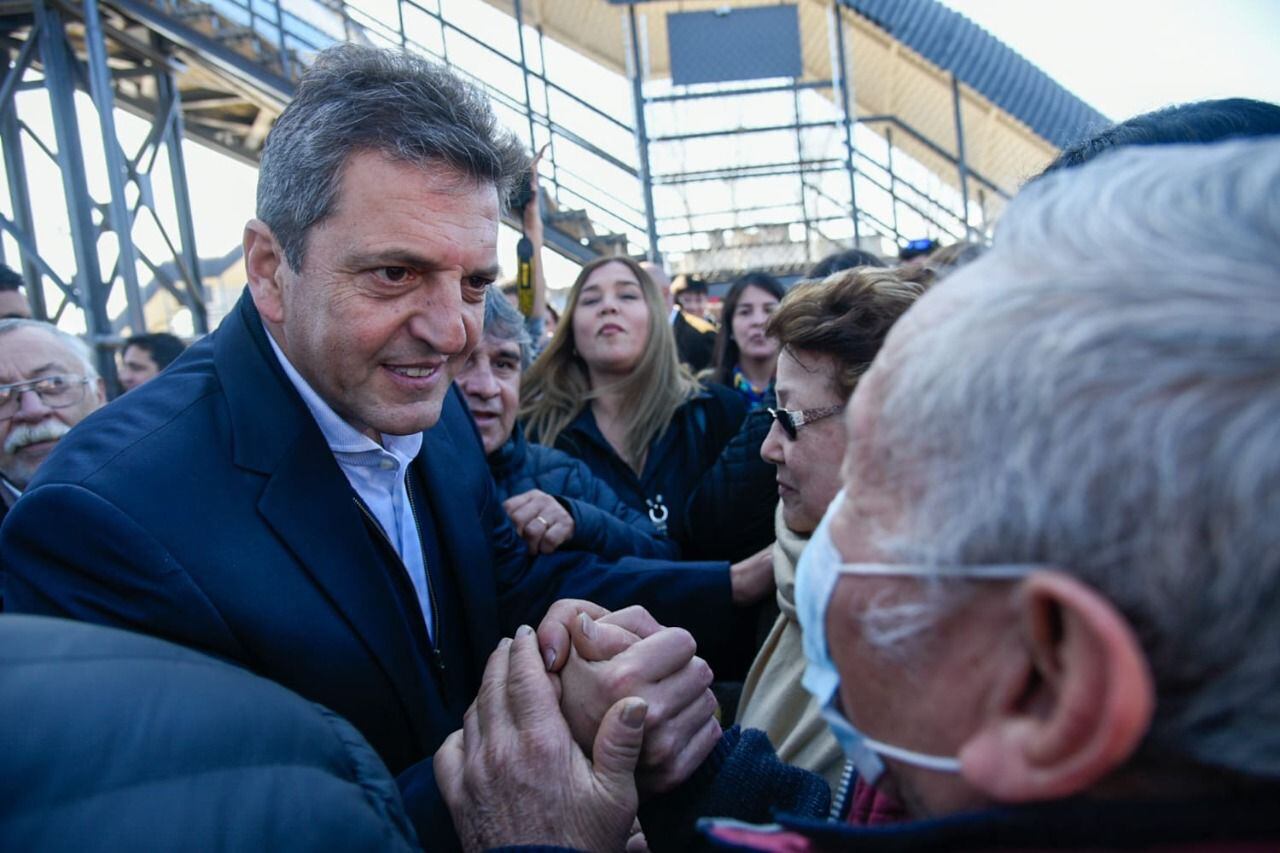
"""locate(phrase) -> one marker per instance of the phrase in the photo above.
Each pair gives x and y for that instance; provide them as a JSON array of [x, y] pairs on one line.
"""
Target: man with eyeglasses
[[47, 386], [1043, 611]]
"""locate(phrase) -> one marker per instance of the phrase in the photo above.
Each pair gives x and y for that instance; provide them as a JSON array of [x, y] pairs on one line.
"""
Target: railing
[[592, 160]]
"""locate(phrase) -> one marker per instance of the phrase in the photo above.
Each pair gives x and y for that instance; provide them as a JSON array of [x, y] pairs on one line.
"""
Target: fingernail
[[549, 655], [524, 631], [588, 626], [634, 712]]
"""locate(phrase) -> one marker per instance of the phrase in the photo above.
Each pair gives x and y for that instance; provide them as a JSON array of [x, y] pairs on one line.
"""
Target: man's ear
[[265, 265], [1076, 709]]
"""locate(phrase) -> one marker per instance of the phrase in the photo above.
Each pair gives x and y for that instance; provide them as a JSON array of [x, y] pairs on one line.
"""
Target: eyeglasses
[[56, 392], [791, 420]]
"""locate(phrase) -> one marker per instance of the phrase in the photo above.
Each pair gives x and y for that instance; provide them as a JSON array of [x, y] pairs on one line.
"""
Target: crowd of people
[[973, 549]]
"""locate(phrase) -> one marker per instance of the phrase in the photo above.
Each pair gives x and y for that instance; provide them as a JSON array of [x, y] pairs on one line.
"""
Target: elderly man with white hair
[[47, 385], [1044, 611]]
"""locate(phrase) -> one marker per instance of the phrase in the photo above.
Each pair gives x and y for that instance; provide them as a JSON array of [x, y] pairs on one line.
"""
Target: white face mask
[[819, 568]]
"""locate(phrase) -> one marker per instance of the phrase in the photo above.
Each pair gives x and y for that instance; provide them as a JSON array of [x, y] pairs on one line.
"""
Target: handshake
[[573, 724]]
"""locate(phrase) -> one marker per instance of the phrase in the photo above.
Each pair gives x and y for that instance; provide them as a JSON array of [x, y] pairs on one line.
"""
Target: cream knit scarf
[[773, 699]]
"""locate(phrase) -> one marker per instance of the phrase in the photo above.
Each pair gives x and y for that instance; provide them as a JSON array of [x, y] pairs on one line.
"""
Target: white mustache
[[49, 429]]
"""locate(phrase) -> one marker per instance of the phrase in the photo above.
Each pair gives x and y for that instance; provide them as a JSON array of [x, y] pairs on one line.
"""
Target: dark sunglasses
[[791, 420]]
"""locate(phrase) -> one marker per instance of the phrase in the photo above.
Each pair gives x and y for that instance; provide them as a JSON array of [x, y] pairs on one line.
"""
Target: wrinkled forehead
[[29, 353]]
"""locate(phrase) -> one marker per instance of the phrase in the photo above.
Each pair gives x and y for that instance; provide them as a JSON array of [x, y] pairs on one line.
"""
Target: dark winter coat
[[731, 510], [675, 464], [604, 525], [113, 741], [743, 783]]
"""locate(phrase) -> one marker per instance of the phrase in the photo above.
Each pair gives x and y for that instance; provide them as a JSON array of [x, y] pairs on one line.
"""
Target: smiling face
[[490, 383], [29, 436], [809, 464], [390, 300], [611, 321], [749, 316]]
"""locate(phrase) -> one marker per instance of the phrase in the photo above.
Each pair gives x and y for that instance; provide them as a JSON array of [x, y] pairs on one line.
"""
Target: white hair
[[1101, 394], [77, 347]]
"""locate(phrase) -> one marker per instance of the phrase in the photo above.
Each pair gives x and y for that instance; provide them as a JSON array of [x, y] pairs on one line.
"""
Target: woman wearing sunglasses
[[829, 331]]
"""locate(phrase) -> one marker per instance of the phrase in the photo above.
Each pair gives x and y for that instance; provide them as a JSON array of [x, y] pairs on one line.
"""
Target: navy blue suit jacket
[[206, 508]]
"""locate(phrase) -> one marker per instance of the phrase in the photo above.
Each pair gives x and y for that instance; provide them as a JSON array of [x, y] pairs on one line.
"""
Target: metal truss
[[61, 50]]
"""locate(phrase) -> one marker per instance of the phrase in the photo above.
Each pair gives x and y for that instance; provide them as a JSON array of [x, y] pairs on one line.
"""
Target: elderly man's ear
[[264, 264], [1076, 710]]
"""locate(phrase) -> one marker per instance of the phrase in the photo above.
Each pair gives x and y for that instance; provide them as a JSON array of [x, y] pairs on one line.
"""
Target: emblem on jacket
[[658, 513]]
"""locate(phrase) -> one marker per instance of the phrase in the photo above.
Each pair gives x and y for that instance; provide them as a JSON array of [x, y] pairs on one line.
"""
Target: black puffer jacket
[[118, 742], [731, 511], [675, 465], [603, 524]]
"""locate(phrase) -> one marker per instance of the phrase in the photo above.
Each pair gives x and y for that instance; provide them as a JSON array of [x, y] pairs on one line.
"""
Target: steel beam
[[15, 169], [642, 136], [118, 171], [60, 82], [961, 166], [846, 110]]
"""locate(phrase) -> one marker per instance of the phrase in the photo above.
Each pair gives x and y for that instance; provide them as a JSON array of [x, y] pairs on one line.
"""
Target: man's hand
[[752, 578], [513, 775], [553, 630], [608, 661], [540, 520]]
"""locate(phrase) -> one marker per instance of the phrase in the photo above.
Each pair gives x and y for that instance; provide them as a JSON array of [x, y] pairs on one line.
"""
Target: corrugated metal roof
[[1000, 74]]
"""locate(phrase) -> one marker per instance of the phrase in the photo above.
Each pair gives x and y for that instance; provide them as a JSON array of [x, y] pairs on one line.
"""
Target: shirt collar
[[341, 436], [11, 491]]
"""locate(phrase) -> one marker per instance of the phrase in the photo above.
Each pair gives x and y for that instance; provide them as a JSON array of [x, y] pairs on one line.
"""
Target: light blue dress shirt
[[377, 473]]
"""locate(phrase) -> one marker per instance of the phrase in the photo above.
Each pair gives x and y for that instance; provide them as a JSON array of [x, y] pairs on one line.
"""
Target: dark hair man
[[144, 356], [1197, 123], [13, 302], [846, 259], [348, 541]]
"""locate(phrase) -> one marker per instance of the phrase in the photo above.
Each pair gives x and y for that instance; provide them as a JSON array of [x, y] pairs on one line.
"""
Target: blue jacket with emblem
[[603, 524], [675, 465]]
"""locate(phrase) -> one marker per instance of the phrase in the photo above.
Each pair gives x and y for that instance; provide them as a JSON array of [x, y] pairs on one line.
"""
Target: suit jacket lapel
[[309, 503], [463, 541]]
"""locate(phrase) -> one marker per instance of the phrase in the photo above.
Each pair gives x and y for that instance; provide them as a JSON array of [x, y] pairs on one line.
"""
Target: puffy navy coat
[[114, 741], [731, 511], [603, 524]]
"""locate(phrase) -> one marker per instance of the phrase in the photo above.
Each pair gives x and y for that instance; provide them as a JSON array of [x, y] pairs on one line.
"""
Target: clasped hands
[[572, 725]]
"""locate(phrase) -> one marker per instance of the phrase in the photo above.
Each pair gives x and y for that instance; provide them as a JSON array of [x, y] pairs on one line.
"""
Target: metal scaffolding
[[64, 50], [220, 71]]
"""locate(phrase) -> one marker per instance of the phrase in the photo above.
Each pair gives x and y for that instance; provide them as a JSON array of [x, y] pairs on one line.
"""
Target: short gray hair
[[503, 322], [1101, 394], [77, 347], [355, 98]]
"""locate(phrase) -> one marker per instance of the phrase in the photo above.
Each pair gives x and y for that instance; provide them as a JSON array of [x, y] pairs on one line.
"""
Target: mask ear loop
[[940, 763]]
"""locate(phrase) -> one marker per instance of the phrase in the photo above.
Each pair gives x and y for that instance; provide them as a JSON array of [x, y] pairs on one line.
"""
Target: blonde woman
[[610, 391]]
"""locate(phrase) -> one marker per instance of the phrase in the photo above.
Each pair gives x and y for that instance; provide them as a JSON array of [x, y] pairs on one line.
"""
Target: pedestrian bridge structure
[[722, 136]]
